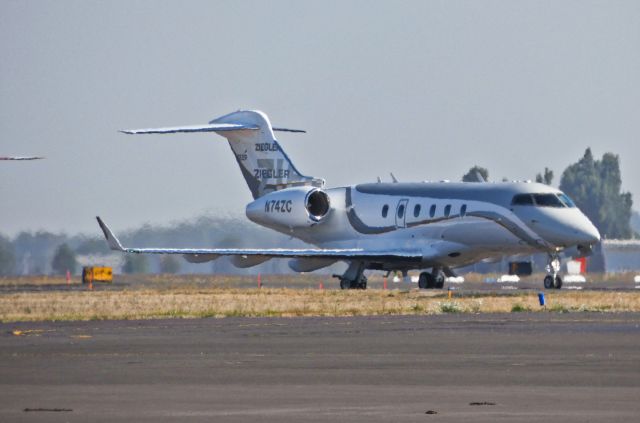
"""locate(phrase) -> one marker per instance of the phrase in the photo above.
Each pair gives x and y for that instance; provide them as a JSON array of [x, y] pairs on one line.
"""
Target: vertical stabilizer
[[264, 164]]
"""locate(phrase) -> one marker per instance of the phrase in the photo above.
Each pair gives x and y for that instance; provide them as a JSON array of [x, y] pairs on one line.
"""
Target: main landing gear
[[433, 280], [553, 279], [349, 284], [354, 277]]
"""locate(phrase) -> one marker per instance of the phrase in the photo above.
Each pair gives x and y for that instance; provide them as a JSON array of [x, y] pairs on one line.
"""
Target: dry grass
[[222, 302], [36, 280]]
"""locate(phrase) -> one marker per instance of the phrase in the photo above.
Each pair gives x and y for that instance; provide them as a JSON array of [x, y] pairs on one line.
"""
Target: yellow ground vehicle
[[97, 274]]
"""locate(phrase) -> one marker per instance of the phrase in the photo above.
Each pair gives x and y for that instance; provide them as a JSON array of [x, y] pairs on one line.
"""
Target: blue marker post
[[541, 299]]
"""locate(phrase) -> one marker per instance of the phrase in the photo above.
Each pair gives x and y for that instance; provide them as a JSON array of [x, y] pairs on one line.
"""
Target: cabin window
[[385, 210], [432, 211], [401, 211], [416, 210], [463, 210], [447, 210]]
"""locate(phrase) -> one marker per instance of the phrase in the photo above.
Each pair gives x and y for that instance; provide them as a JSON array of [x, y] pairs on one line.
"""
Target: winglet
[[113, 242]]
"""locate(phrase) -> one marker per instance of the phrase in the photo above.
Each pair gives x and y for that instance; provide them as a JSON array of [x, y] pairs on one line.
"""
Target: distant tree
[[476, 174], [595, 186], [545, 178], [36, 250], [169, 264], [135, 263], [64, 259], [92, 246], [7, 257], [635, 224]]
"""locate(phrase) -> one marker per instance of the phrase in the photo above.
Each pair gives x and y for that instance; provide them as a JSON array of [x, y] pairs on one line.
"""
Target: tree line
[[45, 253]]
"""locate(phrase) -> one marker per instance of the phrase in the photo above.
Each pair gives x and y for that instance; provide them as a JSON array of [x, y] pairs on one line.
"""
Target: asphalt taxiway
[[514, 367]]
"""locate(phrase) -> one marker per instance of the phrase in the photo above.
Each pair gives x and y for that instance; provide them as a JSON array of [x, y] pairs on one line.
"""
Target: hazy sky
[[422, 89]]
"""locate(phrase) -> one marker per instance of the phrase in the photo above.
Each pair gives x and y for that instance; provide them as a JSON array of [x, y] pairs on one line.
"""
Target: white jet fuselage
[[452, 224]]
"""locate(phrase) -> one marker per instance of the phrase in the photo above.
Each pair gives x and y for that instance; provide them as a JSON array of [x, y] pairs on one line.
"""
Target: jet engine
[[298, 207]]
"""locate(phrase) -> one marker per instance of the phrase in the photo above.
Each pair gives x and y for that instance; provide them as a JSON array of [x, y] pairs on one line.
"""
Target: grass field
[[194, 297]]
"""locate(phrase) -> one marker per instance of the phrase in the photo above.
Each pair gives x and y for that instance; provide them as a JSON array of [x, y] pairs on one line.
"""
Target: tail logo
[[270, 169], [266, 146]]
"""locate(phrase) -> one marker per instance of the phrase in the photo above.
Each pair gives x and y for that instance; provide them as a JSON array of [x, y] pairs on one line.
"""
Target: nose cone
[[586, 233], [578, 230], [565, 227]]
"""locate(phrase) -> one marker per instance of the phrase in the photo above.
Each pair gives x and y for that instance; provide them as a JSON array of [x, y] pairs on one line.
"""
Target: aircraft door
[[401, 213]]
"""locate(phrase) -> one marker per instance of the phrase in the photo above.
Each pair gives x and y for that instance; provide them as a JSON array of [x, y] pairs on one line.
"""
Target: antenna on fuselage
[[393, 178], [379, 180]]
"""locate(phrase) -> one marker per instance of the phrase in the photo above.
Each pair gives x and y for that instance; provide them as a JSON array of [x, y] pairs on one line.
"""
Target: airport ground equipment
[[520, 268], [97, 274]]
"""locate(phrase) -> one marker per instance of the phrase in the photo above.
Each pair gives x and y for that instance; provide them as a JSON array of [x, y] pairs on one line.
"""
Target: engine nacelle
[[298, 207]]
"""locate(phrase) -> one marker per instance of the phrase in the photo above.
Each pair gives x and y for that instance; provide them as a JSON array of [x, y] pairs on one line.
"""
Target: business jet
[[21, 158], [433, 227]]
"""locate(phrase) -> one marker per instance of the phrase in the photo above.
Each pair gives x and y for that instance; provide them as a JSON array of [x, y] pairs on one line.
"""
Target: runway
[[514, 367]]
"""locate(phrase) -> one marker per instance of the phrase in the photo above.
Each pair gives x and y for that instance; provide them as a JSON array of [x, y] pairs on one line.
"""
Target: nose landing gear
[[553, 279]]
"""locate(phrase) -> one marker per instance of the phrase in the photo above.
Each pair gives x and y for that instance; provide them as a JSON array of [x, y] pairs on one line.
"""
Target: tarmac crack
[[54, 410]]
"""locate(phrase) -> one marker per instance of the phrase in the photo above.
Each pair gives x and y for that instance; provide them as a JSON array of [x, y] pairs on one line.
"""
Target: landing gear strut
[[354, 277], [553, 279]]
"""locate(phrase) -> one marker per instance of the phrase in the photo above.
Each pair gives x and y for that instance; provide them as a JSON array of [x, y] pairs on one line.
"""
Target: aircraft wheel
[[423, 280], [548, 282], [558, 282], [438, 280], [426, 281], [363, 283], [431, 281], [345, 284]]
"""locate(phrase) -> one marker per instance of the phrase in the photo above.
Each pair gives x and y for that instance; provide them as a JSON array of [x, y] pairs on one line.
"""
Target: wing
[[210, 253]]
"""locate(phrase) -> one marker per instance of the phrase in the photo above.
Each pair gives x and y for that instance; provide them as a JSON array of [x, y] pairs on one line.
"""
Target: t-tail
[[264, 164]]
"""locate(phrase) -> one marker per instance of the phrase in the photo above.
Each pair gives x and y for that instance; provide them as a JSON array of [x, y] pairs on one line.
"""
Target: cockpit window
[[548, 200], [542, 200], [566, 200], [522, 200]]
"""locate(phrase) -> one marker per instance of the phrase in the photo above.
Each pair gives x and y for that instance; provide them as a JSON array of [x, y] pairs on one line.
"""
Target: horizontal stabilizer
[[211, 127], [302, 131]]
